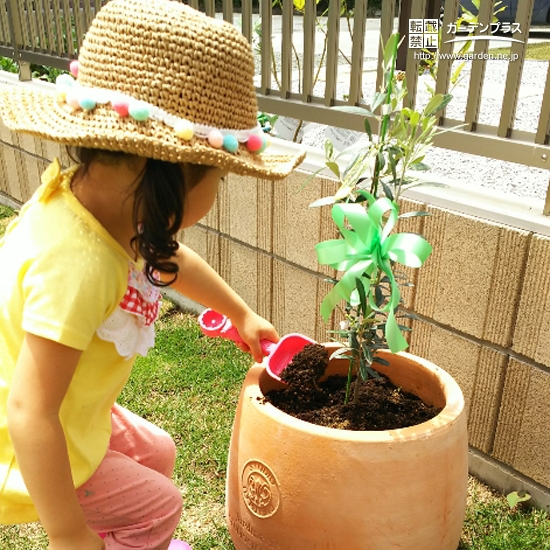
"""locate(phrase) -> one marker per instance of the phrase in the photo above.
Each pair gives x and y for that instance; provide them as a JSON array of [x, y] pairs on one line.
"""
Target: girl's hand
[[85, 539], [252, 328]]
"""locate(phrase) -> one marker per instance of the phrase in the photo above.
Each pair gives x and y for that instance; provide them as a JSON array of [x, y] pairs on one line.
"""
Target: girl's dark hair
[[159, 201]]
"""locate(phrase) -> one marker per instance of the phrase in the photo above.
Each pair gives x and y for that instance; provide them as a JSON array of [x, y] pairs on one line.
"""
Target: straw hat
[[158, 79]]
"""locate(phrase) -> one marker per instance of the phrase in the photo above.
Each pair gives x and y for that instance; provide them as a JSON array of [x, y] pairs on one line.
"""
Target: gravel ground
[[509, 177]]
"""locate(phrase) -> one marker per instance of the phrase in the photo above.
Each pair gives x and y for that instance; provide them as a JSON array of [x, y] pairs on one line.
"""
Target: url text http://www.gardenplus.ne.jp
[[468, 56]]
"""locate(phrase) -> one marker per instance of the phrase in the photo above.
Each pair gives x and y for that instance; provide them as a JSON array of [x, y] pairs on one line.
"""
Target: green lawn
[[189, 385], [6, 215]]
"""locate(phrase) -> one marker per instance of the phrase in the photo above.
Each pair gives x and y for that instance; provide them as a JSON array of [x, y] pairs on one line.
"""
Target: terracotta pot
[[292, 485]]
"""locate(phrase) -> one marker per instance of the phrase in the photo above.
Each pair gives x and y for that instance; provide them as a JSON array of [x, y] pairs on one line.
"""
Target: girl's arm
[[42, 375], [200, 282]]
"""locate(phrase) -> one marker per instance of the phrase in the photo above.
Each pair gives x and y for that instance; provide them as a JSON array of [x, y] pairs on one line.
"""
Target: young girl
[[162, 108]]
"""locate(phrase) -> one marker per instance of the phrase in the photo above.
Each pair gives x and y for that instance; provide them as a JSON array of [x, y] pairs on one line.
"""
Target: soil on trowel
[[381, 405]]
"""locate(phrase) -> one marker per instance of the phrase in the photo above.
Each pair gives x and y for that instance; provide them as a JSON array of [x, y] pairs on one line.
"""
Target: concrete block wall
[[23, 158], [482, 299]]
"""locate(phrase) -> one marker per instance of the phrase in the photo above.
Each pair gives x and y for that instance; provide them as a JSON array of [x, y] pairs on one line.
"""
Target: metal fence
[[308, 63], [45, 32]]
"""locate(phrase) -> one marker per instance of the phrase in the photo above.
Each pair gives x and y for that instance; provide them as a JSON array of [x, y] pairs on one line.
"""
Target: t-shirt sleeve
[[69, 292]]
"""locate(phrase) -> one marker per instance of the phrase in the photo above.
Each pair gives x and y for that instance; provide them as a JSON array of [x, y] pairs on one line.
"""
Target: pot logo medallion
[[260, 489]]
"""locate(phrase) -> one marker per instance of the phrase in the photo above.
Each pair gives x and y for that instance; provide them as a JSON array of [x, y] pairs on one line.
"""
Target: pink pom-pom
[[179, 545], [73, 68], [215, 138], [120, 107], [254, 143]]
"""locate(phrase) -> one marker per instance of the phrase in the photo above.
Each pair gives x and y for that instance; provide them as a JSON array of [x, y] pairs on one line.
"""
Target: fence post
[[404, 16], [546, 209], [433, 11], [14, 23]]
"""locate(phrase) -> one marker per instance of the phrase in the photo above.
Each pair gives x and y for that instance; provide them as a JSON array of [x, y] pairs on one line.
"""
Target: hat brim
[[39, 113]]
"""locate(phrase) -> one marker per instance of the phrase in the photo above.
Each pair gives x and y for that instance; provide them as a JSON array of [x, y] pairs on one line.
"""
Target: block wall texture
[[482, 299]]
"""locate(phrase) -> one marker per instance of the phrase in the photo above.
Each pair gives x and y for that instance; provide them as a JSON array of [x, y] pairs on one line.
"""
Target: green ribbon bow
[[366, 248]]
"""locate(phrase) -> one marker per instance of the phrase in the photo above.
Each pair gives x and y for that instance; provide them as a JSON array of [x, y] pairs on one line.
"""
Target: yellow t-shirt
[[63, 277]]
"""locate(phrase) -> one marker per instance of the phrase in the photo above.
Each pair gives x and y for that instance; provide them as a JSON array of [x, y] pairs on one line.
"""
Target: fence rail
[[309, 63]]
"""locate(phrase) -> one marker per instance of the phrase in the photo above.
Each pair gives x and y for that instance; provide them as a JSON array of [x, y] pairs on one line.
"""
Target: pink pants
[[130, 496]]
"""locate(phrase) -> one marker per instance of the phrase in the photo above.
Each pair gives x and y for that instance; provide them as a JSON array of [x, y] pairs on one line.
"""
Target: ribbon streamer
[[367, 248]]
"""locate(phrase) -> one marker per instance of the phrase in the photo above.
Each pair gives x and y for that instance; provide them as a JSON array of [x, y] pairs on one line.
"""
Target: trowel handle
[[213, 323], [267, 346]]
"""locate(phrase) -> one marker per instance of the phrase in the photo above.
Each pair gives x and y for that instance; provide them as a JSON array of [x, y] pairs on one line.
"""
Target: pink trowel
[[279, 355]]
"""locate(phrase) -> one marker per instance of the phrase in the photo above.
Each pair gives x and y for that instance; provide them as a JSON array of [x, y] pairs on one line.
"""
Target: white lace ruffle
[[128, 332]]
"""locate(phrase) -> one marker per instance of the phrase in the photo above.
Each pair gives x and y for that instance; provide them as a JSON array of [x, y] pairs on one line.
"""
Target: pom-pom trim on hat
[[75, 95]]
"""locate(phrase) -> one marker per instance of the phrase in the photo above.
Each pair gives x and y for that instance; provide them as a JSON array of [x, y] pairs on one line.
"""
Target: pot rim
[[439, 425]]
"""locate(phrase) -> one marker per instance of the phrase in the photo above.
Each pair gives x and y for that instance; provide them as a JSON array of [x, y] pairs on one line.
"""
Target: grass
[[491, 524], [6, 215], [189, 385]]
